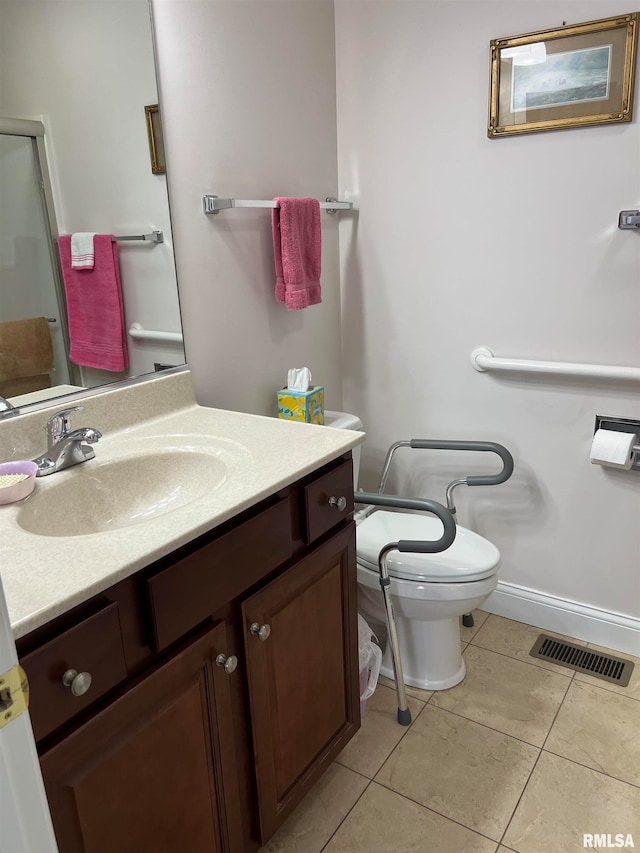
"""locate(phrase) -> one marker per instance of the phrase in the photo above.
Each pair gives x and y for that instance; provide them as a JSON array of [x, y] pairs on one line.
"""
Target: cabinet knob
[[79, 682], [260, 631], [230, 663], [339, 503]]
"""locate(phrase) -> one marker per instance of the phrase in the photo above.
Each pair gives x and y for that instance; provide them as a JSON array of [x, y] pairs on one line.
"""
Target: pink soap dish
[[17, 480]]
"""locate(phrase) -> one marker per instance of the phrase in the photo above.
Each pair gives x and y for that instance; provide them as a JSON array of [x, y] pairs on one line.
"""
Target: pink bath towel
[[94, 307], [297, 245]]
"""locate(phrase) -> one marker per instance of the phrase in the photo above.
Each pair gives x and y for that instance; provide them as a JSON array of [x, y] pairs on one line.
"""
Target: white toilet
[[430, 592]]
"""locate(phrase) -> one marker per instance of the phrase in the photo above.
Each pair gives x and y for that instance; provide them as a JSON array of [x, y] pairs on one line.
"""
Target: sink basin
[[100, 496]]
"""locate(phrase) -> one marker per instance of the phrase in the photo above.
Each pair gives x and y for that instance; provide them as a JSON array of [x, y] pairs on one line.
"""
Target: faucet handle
[[59, 423]]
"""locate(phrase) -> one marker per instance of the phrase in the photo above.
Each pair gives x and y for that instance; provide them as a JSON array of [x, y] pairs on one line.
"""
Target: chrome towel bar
[[214, 204], [483, 359], [154, 237]]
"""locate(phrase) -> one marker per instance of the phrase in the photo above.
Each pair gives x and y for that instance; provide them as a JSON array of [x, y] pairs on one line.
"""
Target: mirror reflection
[[75, 78]]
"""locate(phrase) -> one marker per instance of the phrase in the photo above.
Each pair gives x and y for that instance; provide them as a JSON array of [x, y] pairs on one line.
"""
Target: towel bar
[[483, 359], [213, 204], [154, 237]]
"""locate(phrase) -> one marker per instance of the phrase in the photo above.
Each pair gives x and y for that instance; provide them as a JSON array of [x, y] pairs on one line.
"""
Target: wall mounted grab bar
[[138, 333], [483, 359], [213, 204]]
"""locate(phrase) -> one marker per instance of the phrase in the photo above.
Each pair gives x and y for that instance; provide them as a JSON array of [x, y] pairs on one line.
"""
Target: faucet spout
[[66, 447], [88, 434]]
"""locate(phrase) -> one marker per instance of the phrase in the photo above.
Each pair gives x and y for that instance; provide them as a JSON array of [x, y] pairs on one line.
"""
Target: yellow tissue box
[[307, 406]]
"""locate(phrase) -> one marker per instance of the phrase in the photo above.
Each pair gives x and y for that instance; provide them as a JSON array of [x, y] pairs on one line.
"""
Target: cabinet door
[[303, 676], [155, 770]]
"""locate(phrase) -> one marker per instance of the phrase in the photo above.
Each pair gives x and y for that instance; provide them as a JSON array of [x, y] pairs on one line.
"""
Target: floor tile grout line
[[541, 750], [601, 684], [366, 788], [435, 811], [406, 729], [528, 663], [486, 726], [524, 788], [555, 717], [593, 769]]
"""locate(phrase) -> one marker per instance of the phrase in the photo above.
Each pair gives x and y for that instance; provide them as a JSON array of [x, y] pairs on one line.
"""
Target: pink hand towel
[[94, 307], [297, 246]]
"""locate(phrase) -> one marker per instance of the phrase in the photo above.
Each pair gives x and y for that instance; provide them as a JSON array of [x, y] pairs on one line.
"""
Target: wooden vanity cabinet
[[240, 683], [300, 635], [153, 765]]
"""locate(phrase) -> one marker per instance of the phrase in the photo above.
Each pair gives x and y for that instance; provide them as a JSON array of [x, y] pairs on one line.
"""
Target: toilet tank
[[343, 420]]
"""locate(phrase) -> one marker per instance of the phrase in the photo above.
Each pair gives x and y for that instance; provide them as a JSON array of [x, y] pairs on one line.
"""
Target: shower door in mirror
[[33, 346]]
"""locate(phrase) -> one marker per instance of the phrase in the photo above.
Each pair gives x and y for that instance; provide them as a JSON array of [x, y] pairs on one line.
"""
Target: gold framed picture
[[574, 76], [156, 143]]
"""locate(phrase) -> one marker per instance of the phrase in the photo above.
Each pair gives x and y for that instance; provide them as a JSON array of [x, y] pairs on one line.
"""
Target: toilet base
[[430, 652]]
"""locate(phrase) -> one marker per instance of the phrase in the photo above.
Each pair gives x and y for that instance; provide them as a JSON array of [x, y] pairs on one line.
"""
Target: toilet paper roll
[[613, 449]]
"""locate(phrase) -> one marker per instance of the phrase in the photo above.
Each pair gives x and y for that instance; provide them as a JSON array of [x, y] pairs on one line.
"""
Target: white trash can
[[370, 658]]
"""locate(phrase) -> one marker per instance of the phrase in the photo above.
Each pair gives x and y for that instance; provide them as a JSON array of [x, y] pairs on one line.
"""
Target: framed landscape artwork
[[573, 76]]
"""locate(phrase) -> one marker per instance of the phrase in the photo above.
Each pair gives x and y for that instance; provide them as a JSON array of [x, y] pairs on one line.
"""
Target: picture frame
[[572, 76], [156, 142]]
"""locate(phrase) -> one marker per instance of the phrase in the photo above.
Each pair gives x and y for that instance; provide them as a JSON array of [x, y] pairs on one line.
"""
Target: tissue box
[[307, 406]]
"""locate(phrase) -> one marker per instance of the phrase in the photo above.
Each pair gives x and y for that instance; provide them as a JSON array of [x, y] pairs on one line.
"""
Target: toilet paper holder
[[622, 425]]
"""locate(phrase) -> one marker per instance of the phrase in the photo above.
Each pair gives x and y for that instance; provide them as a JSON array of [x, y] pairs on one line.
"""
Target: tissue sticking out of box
[[299, 379], [300, 400]]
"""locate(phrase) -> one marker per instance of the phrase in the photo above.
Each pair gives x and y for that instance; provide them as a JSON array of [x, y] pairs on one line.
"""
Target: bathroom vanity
[[193, 673]]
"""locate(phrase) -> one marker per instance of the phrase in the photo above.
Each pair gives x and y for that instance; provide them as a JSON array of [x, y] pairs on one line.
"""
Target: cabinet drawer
[[189, 591], [94, 646], [319, 515]]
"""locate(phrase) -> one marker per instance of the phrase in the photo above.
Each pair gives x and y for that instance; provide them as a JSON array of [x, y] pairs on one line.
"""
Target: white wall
[[248, 94], [87, 70], [511, 243]]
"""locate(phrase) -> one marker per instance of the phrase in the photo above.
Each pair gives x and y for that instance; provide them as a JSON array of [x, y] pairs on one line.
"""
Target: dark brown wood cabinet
[[302, 675], [225, 681], [152, 765]]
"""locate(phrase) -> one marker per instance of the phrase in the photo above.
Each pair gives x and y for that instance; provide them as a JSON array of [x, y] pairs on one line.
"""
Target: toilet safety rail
[[416, 546], [472, 479]]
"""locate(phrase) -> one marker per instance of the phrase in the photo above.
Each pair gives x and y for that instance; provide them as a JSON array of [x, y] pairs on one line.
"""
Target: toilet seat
[[469, 558]]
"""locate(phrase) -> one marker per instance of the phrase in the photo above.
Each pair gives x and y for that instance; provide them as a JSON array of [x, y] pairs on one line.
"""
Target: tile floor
[[521, 756]]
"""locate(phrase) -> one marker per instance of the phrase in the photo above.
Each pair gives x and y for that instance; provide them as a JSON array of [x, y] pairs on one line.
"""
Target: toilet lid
[[469, 558]]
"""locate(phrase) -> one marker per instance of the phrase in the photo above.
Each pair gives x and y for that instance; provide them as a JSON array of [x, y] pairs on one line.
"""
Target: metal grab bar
[[483, 359], [417, 546], [489, 446], [442, 444], [138, 333]]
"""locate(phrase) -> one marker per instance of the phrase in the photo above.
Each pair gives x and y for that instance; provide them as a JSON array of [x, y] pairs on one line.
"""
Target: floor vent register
[[607, 667]]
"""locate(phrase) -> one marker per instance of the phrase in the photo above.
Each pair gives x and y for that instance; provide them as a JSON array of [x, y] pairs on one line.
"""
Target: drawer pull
[[339, 503], [79, 682], [260, 631], [230, 663]]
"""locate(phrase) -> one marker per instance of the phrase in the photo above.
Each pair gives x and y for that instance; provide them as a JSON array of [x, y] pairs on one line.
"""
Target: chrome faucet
[[7, 409], [66, 447]]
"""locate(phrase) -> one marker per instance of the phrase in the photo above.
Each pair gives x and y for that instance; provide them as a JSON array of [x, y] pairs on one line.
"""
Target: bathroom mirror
[[85, 69]]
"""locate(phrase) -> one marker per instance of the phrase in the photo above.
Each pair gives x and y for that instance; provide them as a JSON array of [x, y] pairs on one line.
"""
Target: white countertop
[[44, 576]]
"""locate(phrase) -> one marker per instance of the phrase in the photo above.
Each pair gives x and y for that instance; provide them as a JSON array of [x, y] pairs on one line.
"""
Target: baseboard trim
[[602, 627]]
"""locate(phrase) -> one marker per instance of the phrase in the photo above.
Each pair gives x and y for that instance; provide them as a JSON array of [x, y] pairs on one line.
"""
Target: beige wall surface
[[511, 243], [248, 96]]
